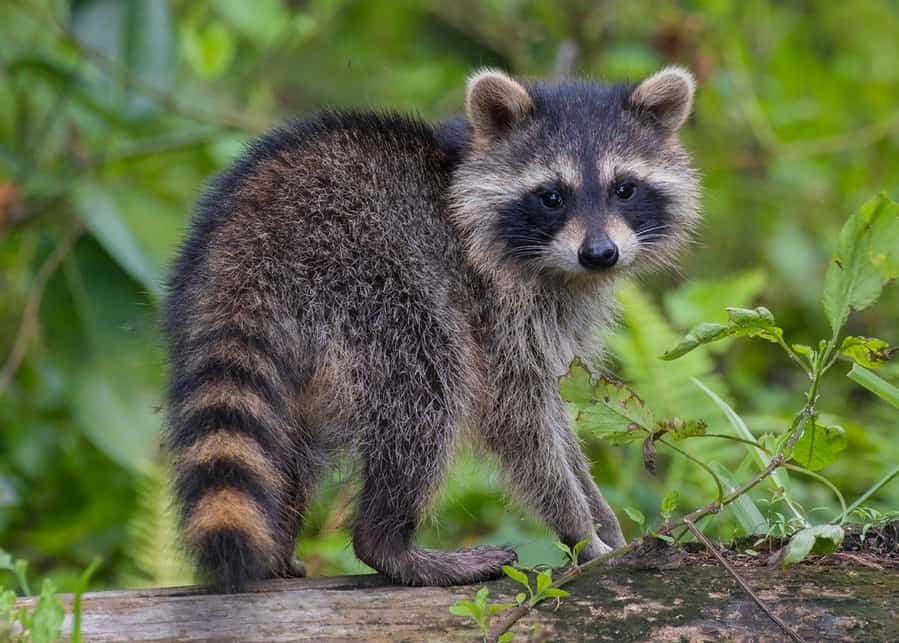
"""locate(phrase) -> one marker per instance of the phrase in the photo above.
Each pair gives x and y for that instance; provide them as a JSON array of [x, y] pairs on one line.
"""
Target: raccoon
[[371, 284]]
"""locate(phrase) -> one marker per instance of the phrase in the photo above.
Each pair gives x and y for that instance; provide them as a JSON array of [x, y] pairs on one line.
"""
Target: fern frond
[[152, 534]]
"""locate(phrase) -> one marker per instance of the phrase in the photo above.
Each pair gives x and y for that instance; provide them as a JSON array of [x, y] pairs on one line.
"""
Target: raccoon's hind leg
[[242, 475], [408, 431]]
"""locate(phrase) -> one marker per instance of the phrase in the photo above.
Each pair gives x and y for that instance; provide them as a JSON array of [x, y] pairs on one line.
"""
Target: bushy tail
[[230, 444]]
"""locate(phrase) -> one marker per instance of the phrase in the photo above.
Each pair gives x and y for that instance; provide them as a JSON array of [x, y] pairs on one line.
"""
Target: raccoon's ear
[[666, 97], [495, 103]]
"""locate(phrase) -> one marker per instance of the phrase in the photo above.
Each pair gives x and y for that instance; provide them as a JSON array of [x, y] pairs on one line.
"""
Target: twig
[[746, 588], [33, 303]]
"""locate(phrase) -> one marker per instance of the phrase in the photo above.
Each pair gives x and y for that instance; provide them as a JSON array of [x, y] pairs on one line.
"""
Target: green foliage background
[[113, 114]]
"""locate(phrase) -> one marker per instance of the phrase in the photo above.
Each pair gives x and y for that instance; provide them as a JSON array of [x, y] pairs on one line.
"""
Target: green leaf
[[576, 386], [867, 351], [670, 502], [556, 592], [576, 550], [465, 608], [747, 514], [636, 515], [704, 333], [867, 256], [517, 575], [819, 445], [821, 539], [46, 621], [874, 383], [615, 408], [544, 580], [480, 599], [565, 549], [778, 476], [520, 597], [499, 607], [101, 216], [506, 637], [743, 322]]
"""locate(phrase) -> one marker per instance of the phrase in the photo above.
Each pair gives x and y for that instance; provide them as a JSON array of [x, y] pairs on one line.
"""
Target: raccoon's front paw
[[596, 547]]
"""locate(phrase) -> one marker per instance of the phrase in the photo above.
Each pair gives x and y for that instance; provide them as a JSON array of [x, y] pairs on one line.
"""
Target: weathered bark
[[691, 603]]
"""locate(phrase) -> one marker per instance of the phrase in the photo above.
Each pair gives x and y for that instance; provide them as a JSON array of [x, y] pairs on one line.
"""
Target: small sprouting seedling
[[479, 610], [669, 504], [571, 553], [544, 579], [43, 623]]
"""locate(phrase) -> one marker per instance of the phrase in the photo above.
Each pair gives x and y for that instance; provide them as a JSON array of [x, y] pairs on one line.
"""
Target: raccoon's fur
[[370, 283]]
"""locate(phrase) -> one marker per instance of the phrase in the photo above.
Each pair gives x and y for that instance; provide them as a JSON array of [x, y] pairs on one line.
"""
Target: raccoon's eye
[[551, 200], [625, 191]]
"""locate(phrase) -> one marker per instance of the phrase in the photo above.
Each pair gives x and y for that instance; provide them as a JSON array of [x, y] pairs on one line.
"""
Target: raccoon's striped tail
[[232, 455]]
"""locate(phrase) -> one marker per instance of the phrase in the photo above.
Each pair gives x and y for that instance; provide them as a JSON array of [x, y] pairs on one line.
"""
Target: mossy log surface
[[698, 603]]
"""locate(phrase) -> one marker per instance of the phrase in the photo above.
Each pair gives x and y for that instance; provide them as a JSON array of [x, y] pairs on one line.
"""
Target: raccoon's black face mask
[[578, 178]]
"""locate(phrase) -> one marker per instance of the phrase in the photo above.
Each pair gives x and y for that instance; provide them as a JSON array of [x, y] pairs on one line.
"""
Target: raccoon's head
[[579, 179]]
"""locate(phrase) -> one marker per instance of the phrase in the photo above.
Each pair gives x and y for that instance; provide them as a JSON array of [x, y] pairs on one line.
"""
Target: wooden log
[[699, 603]]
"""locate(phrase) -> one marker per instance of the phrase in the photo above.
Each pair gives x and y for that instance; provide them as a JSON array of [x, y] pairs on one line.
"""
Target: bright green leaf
[[636, 515], [867, 256], [819, 445], [506, 637], [480, 599], [517, 575], [465, 608], [544, 580], [520, 597], [821, 539], [499, 607], [555, 592]]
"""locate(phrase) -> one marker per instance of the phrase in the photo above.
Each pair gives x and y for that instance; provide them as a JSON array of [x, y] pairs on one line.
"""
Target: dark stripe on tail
[[197, 480], [218, 417], [217, 371]]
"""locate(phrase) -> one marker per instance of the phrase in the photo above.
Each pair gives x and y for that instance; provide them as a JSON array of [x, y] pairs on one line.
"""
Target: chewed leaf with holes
[[868, 351], [742, 322]]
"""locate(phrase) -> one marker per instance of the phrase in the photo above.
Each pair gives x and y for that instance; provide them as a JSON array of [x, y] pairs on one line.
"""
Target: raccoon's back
[[340, 199]]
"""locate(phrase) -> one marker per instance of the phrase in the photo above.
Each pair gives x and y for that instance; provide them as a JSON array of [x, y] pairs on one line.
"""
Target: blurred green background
[[113, 115]]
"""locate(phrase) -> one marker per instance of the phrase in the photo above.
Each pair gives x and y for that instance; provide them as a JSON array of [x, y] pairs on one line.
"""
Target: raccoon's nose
[[598, 253]]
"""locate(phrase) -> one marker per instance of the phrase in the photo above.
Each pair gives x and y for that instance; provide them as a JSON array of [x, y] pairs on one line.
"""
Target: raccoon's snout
[[598, 253]]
